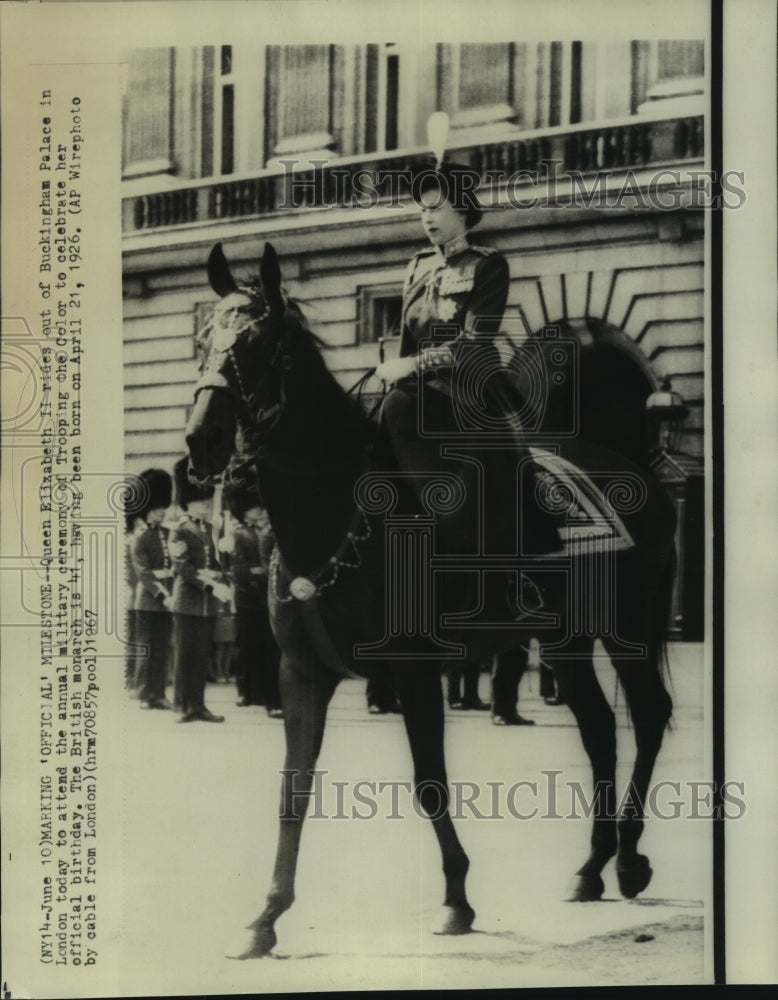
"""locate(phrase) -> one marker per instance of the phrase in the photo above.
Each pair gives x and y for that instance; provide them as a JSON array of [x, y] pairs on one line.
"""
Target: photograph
[[385, 500]]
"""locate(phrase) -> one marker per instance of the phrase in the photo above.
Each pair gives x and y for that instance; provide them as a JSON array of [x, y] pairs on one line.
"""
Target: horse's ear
[[219, 274], [270, 275]]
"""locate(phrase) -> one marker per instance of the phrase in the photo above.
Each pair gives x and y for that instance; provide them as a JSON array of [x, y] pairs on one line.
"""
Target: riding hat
[[453, 182]]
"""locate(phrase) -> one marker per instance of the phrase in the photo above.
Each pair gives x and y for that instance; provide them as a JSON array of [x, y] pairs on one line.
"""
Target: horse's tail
[[663, 606]]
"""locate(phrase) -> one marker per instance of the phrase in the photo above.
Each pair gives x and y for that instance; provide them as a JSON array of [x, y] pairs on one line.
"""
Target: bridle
[[256, 420]]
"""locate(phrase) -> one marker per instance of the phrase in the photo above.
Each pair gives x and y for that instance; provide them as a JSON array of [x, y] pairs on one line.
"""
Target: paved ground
[[200, 839]]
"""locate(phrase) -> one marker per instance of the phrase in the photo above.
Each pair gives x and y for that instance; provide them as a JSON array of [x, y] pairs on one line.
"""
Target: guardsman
[[197, 585], [249, 578], [134, 525], [153, 573], [258, 653]]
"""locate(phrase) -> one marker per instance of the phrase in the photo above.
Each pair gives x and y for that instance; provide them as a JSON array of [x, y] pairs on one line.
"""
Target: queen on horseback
[[448, 386]]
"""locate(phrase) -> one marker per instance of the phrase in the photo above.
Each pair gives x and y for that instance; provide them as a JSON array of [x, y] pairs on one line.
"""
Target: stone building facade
[[587, 152]]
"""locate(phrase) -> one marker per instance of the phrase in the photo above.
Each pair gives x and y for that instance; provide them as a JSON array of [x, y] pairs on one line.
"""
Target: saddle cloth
[[585, 519]]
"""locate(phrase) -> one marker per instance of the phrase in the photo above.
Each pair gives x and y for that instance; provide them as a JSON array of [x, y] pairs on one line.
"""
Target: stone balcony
[[619, 146]]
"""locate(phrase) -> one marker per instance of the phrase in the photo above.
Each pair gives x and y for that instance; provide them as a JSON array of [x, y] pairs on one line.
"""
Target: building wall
[[642, 274], [228, 110]]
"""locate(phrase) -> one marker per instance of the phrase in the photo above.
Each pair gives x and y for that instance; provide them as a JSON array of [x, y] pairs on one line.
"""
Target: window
[[148, 118], [227, 89], [655, 65], [526, 84], [382, 91], [299, 99], [476, 83], [380, 312]]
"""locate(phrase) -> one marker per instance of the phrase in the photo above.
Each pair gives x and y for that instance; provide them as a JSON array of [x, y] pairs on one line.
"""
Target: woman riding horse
[[449, 384], [333, 573]]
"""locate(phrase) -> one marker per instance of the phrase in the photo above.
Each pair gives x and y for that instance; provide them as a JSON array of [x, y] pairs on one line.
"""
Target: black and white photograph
[[378, 612]]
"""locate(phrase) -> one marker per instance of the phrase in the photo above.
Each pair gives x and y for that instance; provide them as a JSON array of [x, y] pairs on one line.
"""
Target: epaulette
[[426, 252], [484, 251]]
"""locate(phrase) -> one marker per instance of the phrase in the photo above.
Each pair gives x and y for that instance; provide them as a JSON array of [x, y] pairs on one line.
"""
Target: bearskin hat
[[187, 491], [238, 499], [158, 489], [150, 489]]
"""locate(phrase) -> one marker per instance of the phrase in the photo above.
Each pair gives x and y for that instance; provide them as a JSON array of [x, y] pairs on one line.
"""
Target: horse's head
[[244, 346]]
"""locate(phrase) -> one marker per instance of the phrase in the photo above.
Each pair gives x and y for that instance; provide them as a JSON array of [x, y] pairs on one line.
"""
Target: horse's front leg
[[304, 699], [421, 697], [577, 684]]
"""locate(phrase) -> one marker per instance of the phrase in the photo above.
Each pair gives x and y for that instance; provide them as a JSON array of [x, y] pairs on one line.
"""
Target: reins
[[357, 390]]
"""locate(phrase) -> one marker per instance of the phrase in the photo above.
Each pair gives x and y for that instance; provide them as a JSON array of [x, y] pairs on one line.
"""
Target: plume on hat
[[437, 135]]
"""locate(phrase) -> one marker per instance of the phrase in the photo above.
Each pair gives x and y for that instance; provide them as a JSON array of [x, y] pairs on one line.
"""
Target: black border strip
[[717, 477]]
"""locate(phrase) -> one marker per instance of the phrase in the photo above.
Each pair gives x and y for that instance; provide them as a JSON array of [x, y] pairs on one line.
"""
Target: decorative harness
[[222, 347], [258, 420]]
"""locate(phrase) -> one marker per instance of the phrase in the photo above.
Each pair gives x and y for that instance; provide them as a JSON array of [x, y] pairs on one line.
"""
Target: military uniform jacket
[[454, 294], [246, 570], [192, 551], [130, 577], [147, 553]]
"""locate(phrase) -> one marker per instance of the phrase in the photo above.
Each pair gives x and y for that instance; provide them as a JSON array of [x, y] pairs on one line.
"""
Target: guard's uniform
[[153, 623], [270, 651], [249, 577], [193, 556], [130, 582]]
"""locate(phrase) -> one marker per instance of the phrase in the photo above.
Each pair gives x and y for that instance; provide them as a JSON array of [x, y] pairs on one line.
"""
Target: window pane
[[555, 85], [392, 97], [228, 129], [485, 73], [681, 59], [372, 97], [148, 119], [207, 114], [305, 90]]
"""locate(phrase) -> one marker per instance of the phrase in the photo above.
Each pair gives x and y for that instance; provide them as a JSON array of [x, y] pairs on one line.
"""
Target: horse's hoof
[[262, 943], [633, 876], [454, 920], [585, 889]]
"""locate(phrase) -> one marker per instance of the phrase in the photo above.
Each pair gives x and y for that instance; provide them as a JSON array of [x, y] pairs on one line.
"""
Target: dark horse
[[358, 585]]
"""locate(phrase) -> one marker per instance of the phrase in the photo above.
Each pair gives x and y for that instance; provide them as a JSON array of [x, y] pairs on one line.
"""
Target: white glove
[[397, 368], [221, 592], [432, 357]]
